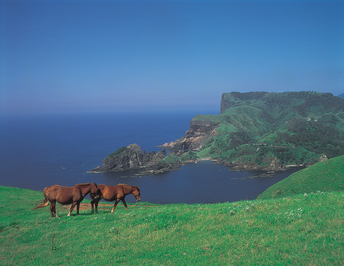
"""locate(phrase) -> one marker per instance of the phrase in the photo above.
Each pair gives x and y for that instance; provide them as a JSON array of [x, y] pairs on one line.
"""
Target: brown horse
[[117, 193], [68, 195]]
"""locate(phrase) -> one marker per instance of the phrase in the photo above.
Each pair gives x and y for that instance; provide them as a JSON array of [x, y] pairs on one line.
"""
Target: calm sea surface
[[37, 151]]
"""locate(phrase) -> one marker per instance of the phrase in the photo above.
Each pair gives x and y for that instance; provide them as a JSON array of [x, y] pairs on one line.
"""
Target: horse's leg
[[96, 203], [114, 206], [53, 209], [52, 212], [125, 204], [71, 208], [77, 208], [92, 204]]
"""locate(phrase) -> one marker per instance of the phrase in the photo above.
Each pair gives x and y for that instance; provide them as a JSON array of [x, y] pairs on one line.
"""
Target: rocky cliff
[[194, 138], [127, 158]]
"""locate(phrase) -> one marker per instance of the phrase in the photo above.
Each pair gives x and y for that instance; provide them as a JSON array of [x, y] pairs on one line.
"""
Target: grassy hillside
[[273, 130], [298, 230], [323, 176]]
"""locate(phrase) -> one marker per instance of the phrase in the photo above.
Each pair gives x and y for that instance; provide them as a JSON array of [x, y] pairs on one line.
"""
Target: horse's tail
[[45, 201]]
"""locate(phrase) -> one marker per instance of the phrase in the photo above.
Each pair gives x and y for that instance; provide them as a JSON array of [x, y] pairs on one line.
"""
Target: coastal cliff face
[[255, 131], [195, 137]]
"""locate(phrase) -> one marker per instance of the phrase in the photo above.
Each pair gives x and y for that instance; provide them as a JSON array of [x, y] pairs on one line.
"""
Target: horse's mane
[[125, 185], [83, 184]]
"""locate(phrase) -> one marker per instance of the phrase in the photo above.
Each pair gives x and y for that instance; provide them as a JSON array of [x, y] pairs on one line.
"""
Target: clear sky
[[138, 55]]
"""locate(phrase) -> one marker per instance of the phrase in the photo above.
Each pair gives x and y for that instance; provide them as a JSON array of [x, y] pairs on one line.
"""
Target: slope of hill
[[295, 230], [322, 176]]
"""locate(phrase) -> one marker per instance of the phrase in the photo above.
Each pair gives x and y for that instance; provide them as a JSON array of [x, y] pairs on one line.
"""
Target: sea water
[[37, 151]]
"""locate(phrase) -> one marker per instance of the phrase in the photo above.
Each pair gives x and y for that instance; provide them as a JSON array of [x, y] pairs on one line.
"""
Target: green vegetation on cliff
[[117, 152], [298, 230], [322, 176], [270, 131], [190, 156]]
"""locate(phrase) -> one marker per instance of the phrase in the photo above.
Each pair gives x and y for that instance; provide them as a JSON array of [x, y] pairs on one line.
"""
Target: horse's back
[[63, 194], [110, 193], [105, 188], [101, 186], [57, 187], [51, 191]]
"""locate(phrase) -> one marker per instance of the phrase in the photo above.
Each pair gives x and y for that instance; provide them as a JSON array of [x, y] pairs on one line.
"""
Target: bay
[[37, 151]]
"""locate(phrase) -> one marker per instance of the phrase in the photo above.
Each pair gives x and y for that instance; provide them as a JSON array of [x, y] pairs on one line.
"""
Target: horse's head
[[136, 193], [95, 192]]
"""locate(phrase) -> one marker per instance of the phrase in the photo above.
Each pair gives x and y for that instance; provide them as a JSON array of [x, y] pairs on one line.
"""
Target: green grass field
[[306, 229], [322, 176]]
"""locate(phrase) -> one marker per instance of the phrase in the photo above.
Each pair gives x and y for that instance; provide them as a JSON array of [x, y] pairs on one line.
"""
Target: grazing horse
[[117, 193], [68, 195]]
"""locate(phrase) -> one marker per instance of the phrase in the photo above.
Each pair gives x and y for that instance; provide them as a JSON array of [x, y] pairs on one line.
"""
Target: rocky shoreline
[[180, 152], [131, 158]]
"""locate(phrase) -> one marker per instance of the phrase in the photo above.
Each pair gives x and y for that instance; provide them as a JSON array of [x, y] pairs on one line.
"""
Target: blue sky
[[61, 56]]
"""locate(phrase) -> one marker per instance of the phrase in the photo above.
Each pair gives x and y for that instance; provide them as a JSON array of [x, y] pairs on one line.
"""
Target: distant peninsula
[[254, 131]]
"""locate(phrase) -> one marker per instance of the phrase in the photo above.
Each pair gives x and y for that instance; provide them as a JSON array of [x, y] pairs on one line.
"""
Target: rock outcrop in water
[[131, 157]]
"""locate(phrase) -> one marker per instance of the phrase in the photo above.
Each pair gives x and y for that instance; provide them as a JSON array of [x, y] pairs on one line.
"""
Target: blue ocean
[[37, 151]]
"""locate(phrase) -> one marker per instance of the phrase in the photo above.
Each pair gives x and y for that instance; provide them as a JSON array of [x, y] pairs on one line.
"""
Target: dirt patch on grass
[[105, 206], [87, 206]]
